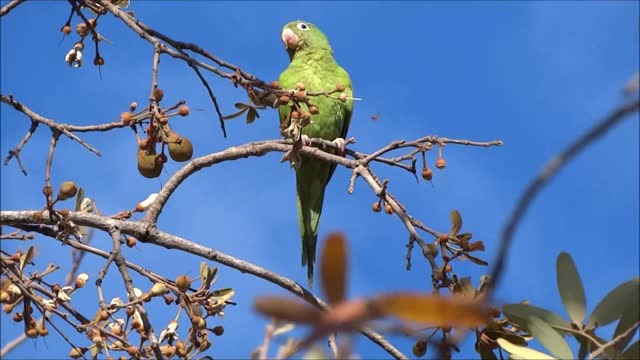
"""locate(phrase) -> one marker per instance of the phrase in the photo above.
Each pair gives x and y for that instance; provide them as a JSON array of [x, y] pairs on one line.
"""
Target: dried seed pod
[[441, 163], [218, 330], [343, 97], [158, 94], [314, 109], [147, 164], [388, 209], [183, 282], [376, 207], [340, 87], [126, 118], [66, 29], [427, 174], [183, 110]]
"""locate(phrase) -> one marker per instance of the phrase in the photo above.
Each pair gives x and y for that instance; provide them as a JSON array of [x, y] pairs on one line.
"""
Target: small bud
[[132, 350], [183, 110], [129, 311], [66, 29], [4, 296], [47, 191], [77, 353], [55, 288], [131, 241], [81, 29], [295, 115], [340, 87], [133, 106], [32, 333], [275, 84], [420, 348], [43, 331], [64, 212], [300, 86], [388, 209], [300, 95], [16, 257], [183, 283], [218, 330], [17, 317], [168, 350], [98, 60], [126, 118], [441, 163], [79, 46], [81, 280], [67, 190], [168, 299], [103, 315], [376, 207], [427, 174], [13, 289], [314, 109], [343, 97], [448, 268], [158, 94]]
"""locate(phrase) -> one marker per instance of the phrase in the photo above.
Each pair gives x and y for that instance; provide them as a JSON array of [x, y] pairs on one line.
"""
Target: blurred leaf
[[629, 318], [316, 352], [476, 246], [514, 339], [633, 351], [252, 114], [26, 257], [465, 236], [287, 309], [476, 260], [615, 302], [235, 114], [522, 352], [570, 288], [519, 314], [333, 267], [467, 287], [241, 106], [434, 310], [284, 328], [79, 198], [456, 222], [549, 338]]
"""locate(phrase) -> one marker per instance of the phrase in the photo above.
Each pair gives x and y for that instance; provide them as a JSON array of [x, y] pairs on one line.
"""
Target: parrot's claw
[[305, 140], [340, 143]]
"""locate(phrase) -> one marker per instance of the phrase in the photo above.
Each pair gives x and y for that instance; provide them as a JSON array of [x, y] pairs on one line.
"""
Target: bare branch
[[10, 6]]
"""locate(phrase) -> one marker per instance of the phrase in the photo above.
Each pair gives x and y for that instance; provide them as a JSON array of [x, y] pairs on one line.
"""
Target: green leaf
[[615, 302], [234, 115], [570, 288], [633, 351], [252, 114], [629, 318], [549, 338], [522, 352], [519, 314], [456, 222]]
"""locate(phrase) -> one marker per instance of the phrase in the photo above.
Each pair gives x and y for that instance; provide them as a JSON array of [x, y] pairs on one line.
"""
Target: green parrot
[[312, 64]]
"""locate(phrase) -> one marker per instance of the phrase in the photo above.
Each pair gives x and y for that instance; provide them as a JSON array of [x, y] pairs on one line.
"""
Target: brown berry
[[132, 350], [126, 118], [133, 106], [420, 348], [218, 330], [68, 189], [300, 86], [340, 87], [376, 207], [448, 268], [343, 97], [66, 29], [98, 61], [147, 165], [158, 94], [284, 99], [103, 315], [64, 212], [295, 115], [79, 46], [199, 323], [32, 333], [275, 84], [183, 110], [388, 209], [427, 174], [42, 331], [183, 283], [314, 109], [7, 308], [300, 95], [441, 163]]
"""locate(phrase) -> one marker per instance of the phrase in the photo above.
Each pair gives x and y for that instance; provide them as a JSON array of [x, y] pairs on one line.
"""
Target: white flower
[[63, 294], [49, 304], [85, 205], [116, 302], [170, 332], [14, 290], [74, 58]]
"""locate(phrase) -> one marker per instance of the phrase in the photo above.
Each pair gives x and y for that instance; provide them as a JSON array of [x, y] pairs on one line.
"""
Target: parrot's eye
[[303, 26]]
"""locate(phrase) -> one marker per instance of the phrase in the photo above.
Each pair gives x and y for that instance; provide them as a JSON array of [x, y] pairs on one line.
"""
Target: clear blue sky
[[533, 74]]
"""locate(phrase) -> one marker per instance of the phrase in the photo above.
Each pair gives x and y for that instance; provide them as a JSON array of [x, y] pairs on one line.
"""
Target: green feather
[[312, 63]]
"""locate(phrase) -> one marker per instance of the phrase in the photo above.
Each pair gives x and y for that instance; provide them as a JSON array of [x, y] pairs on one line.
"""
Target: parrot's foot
[[340, 143]]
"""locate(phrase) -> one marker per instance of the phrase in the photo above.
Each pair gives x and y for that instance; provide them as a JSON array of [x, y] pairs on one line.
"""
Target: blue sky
[[533, 74]]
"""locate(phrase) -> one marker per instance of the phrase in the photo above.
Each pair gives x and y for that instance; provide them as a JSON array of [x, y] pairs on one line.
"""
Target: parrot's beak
[[290, 39]]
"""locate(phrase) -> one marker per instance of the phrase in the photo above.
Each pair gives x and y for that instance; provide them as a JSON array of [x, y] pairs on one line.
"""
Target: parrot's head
[[300, 35]]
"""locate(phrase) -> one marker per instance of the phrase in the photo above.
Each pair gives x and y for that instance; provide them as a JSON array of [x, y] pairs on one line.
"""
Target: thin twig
[[10, 6], [614, 341]]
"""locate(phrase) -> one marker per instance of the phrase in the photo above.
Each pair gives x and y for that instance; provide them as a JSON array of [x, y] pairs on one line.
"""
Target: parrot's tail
[[310, 184]]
